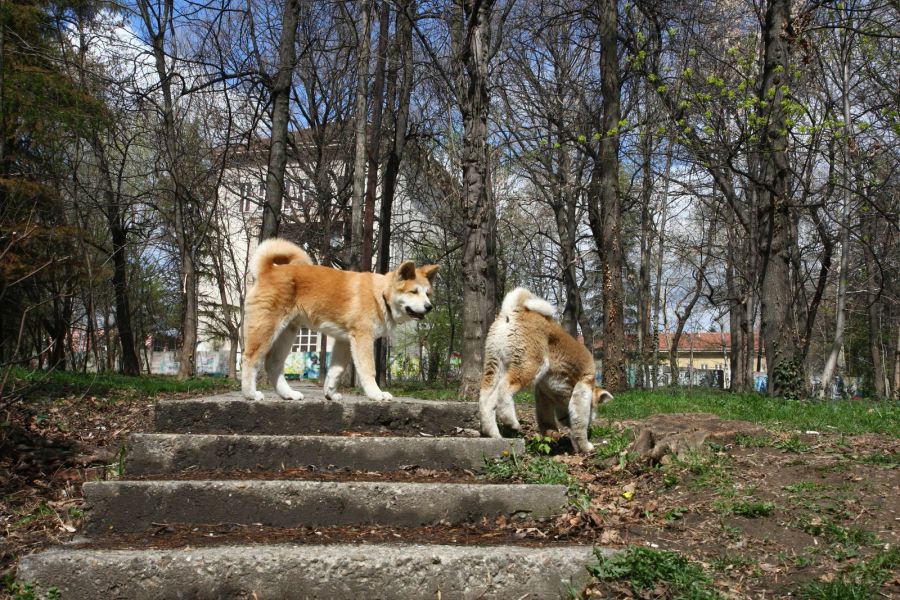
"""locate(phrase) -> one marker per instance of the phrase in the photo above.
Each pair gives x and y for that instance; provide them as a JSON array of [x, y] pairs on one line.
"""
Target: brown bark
[[361, 116], [873, 304], [604, 204], [400, 67], [118, 236], [470, 40], [779, 324], [375, 141], [157, 24], [644, 331], [281, 96]]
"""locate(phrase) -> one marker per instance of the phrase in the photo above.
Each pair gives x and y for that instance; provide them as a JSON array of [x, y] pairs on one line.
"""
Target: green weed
[[861, 581], [879, 459], [646, 569], [37, 514], [752, 441], [610, 441], [16, 590], [540, 444], [752, 509], [535, 469], [803, 487]]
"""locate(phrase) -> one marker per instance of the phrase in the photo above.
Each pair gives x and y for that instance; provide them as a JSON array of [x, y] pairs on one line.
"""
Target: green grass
[[610, 441], [846, 416], [41, 385], [850, 417], [861, 581], [535, 469], [890, 460], [647, 569]]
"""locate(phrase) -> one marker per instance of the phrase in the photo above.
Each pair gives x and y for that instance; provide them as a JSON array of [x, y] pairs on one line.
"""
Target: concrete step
[[150, 454], [231, 413], [137, 505], [333, 572]]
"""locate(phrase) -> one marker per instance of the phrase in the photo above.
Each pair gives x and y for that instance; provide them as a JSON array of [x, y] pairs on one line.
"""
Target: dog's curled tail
[[276, 251], [520, 298]]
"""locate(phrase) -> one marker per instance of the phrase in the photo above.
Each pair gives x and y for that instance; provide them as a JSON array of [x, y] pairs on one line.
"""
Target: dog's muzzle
[[417, 315]]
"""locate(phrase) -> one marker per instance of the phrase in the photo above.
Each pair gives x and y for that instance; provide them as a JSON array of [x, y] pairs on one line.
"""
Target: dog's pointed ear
[[407, 270], [429, 271]]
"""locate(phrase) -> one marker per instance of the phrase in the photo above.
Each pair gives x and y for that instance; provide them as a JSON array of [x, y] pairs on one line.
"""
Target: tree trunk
[[375, 141], [359, 160], [844, 223], [130, 362], [604, 204], [281, 96], [564, 207], [644, 331], [470, 40], [779, 323], [401, 59], [661, 239], [873, 304], [157, 24]]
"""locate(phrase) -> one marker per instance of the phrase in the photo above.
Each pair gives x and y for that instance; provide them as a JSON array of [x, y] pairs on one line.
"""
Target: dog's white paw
[[293, 395], [254, 396], [384, 396], [586, 447], [334, 396]]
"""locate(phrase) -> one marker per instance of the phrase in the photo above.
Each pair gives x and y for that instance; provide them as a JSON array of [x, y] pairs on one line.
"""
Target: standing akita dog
[[353, 308], [526, 346]]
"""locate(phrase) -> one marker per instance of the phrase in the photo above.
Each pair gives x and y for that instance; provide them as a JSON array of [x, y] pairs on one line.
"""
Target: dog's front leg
[[364, 360], [580, 417]]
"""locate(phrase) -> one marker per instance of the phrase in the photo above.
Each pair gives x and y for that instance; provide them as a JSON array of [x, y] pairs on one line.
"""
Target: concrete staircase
[[225, 433]]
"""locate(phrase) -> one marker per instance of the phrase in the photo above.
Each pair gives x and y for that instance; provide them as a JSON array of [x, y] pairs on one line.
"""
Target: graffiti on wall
[[304, 365]]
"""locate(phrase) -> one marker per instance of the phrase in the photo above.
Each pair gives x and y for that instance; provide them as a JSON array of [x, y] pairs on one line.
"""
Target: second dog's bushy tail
[[520, 299], [276, 251]]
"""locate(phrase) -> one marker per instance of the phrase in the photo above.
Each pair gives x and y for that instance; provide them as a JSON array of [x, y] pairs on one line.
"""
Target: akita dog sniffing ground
[[354, 308], [525, 347]]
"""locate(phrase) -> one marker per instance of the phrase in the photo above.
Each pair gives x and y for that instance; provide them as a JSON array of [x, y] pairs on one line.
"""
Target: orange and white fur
[[353, 308], [525, 347]]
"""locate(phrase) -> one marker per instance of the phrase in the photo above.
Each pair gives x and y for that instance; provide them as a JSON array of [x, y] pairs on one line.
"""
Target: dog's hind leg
[[487, 406], [340, 358], [580, 417], [258, 337], [506, 404], [281, 347]]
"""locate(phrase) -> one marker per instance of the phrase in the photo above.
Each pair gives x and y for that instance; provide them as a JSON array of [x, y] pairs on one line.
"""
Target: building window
[[307, 341], [247, 203]]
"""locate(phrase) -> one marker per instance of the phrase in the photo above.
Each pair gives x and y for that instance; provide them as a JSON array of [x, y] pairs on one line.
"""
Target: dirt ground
[[763, 512]]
